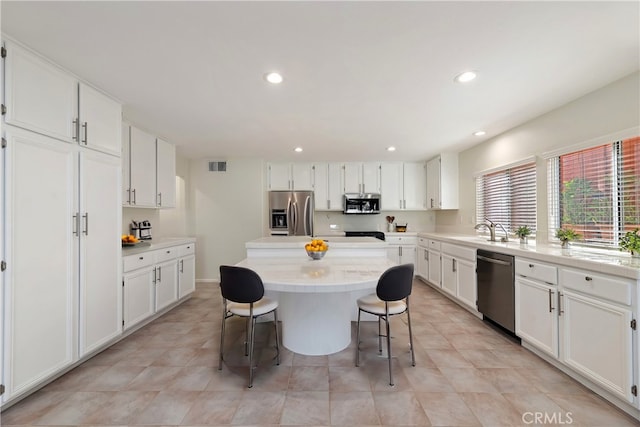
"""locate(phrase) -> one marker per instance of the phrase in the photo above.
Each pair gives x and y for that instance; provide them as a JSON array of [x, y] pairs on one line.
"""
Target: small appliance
[[141, 229], [367, 203]]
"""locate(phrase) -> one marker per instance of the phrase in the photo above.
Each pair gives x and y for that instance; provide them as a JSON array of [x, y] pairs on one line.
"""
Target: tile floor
[[166, 374]]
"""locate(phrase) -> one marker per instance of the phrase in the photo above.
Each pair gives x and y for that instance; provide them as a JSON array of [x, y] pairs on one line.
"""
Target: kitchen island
[[293, 246], [317, 298]]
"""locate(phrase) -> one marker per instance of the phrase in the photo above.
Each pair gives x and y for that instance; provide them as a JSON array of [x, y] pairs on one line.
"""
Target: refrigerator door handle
[[308, 224], [294, 210]]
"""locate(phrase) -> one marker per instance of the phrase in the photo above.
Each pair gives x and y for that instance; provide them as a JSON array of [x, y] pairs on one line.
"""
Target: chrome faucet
[[492, 230]]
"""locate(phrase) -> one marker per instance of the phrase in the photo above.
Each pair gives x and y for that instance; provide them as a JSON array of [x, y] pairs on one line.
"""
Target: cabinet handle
[[588, 279], [141, 257], [134, 195], [560, 310], [159, 199], [400, 250], [75, 225], [404, 204], [454, 266], [550, 299], [426, 255], [129, 195], [86, 132], [168, 252], [75, 131], [328, 204], [86, 223], [400, 201], [155, 276], [181, 266], [431, 203], [159, 274], [530, 265]]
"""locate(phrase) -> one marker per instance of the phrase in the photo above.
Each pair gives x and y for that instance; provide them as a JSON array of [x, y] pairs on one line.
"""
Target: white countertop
[[599, 260], [289, 242], [150, 245], [304, 275]]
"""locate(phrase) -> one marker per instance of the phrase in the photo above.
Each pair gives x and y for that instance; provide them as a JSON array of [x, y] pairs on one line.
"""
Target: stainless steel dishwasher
[[496, 288]]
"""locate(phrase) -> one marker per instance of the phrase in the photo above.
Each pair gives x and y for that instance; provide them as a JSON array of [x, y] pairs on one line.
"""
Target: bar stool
[[243, 296], [391, 298]]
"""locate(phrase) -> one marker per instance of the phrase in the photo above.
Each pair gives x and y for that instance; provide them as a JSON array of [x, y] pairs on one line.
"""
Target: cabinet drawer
[[134, 262], [612, 288], [167, 254], [537, 270], [424, 242], [401, 240], [459, 252], [434, 245], [188, 249]]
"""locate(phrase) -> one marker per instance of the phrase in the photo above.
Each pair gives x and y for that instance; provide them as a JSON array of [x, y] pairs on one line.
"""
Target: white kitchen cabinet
[[414, 182], [186, 276], [449, 276], [100, 253], [422, 258], [165, 174], [139, 296], [467, 283], [442, 182], [402, 249], [41, 299], [596, 337], [391, 186], [290, 176], [166, 284], [361, 177], [536, 314], [434, 263], [44, 98], [39, 96], [327, 187], [458, 273], [142, 169], [99, 122]]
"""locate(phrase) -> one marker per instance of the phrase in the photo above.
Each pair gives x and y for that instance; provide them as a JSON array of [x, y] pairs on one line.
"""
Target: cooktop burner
[[376, 234]]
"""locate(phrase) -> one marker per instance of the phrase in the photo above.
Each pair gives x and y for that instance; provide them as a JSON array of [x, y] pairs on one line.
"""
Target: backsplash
[[327, 222]]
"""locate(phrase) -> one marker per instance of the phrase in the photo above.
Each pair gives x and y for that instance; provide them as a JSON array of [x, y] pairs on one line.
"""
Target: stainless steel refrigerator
[[291, 213]]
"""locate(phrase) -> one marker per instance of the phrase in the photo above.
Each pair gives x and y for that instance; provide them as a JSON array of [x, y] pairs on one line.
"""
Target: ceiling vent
[[217, 166]]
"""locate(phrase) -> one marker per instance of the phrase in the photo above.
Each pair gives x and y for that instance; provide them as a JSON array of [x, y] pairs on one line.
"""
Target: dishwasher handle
[[494, 261]]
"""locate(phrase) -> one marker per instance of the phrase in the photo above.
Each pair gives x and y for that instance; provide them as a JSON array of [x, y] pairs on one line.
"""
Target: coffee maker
[[141, 229]]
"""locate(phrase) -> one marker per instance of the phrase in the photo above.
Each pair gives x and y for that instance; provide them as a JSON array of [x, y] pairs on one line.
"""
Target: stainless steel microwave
[[367, 203]]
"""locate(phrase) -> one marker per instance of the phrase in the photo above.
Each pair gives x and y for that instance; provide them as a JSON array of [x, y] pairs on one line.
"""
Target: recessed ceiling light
[[391, 148], [274, 78], [465, 77], [298, 149], [480, 133]]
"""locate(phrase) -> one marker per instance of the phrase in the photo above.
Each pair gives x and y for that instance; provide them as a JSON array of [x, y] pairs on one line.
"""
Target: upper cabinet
[[361, 177], [442, 182], [403, 186], [290, 176], [149, 170], [327, 186], [45, 99]]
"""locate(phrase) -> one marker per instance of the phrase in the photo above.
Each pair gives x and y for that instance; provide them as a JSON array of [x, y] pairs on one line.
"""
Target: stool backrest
[[395, 283], [239, 284]]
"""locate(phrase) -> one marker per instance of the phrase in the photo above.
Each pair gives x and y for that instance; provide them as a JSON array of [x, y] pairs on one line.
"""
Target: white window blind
[[508, 197], [596, 191]]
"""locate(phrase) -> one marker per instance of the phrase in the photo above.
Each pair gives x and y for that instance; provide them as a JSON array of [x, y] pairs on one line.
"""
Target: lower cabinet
[[536, 314], [422, 261], [166, 284], [186, 275], [402, 249], [458, 273], [139, 296]]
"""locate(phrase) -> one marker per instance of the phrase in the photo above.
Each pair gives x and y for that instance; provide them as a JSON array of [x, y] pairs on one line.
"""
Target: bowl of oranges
[[316, 249], [129, 240]]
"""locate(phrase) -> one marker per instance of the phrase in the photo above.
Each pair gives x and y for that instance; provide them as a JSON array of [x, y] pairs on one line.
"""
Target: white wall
[[228, 210], [609, 110]]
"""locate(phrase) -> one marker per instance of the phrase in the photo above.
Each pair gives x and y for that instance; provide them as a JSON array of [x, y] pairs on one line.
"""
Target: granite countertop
[[600, 260], [288, 242], [150, 245]]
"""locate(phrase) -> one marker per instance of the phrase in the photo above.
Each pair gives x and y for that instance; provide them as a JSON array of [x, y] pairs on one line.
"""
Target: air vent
[[217, 166]]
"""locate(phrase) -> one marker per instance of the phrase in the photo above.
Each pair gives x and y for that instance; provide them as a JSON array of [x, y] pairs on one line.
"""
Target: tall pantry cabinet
[[62, 290]]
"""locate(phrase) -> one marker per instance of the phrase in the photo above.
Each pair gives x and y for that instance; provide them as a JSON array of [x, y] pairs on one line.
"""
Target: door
[[434, 268], [449, 274], [166, 284], [537, 315], [100, 121], [321, 186], [467, 291], [422, 262], [352, 178], [371, 177], [143, 168], [597, 342], [302, 209], [391, 191], [100, 254], [187, 276], [166, 174], [408, 255], [279, 176], [38, 95], [126, 165], [336, 193], [433, 183], [302, 176], [139, 296], [415, 185], [393, 253], [42, 252]]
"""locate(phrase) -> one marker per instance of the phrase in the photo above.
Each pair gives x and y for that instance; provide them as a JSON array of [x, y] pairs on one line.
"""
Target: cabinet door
[[138, 300], [166, 174], [352, 177], [38, 95], [597, 342], [166, 284], [449, 274], [302, 176], [279, 176], [126, 166], [371, 177], [100, 121], [434, 268], [391, 186], [187, 276], [393, 253], [321, 186], [537, 315], [100, 254], [422, 262], [42, 250], [408, 256], [415, 186], [467, 289], [433, 183], [143, 168], [336, 192]]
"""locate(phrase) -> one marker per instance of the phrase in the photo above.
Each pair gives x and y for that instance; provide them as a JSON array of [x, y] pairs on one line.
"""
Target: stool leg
[[413, 356], [246, 336], [222, 328], [358, 339], [252, 328], [386, 319], [275, 322], [379, 336]]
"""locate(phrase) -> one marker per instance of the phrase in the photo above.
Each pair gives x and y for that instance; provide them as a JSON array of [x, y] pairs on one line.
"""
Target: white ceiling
[[359, 76]]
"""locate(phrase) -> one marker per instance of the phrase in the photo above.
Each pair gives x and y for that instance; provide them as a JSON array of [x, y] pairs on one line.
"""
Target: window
[[508, 197], [596, 191]]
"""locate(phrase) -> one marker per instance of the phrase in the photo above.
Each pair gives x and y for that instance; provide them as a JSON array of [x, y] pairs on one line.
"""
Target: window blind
[[508, 197], [595, 191]]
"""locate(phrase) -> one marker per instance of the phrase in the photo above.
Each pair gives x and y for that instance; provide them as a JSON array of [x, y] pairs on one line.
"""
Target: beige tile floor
[[466, 374]]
